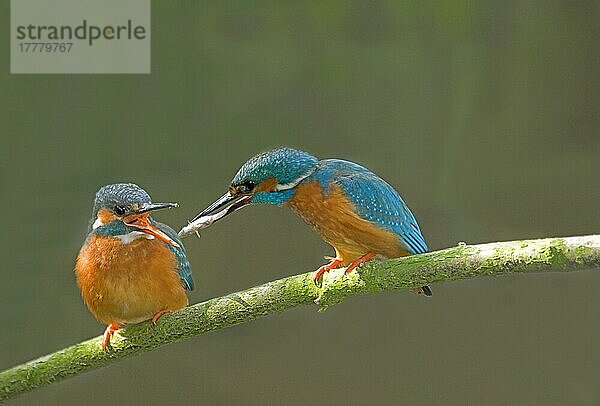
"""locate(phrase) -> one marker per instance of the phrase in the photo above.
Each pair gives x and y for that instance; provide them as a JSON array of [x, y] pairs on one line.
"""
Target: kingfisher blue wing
[[375, 200], [183, 266]]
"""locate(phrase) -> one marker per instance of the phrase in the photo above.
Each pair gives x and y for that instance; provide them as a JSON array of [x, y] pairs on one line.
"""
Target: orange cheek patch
[[266, 185], [106, 216], [135, 218]]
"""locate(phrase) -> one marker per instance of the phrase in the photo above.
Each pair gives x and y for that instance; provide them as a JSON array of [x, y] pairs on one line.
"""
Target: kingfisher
[[355, 211], [130, 268]]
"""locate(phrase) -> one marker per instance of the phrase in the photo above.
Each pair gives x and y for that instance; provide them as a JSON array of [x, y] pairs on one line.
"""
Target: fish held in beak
[[228, 203]]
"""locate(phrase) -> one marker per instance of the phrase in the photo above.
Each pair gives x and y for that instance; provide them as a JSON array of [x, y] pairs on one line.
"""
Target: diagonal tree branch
[[463, 261]]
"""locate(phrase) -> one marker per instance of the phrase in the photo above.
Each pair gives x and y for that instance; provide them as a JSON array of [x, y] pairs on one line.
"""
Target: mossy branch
[[463, 261]]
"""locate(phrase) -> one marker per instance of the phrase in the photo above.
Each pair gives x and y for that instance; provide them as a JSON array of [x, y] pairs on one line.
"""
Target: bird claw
[[333, 263], [358, 262], [108, 333], [157, 316]]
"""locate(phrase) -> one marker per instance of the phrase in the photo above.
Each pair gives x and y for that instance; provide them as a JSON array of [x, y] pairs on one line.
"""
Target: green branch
[[463, 261]]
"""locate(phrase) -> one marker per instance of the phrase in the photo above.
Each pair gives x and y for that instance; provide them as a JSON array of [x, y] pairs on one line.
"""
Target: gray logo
[[80, 36]]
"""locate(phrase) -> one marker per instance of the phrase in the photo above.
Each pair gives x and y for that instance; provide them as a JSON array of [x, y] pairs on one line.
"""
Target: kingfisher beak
[[146, 207], [227, 204], [234, 203], [140, 219]]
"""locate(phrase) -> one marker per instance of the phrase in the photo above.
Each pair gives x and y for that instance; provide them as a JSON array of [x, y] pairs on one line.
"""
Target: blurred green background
[[484, 115]]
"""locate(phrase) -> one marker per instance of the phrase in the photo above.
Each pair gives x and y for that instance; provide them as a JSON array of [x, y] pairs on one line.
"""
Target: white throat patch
[[134, 235], [97, 223], [126, 238]]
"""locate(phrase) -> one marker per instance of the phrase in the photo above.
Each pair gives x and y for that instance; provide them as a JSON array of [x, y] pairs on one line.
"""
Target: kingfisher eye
[[248, 186], [119, 210]]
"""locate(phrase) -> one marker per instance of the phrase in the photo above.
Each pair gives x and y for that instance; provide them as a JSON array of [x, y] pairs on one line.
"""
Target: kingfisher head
[[269, 177], [124, 208]]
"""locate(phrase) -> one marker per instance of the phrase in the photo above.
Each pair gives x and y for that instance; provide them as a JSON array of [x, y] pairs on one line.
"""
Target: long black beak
[[234, 203], [140, 220], [146, 207]]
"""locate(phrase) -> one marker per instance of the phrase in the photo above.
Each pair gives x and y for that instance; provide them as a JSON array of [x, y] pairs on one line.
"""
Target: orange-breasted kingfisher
[[350, 207], [131, 268]]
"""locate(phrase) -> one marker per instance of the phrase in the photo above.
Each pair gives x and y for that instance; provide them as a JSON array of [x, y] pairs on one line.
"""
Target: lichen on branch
[[460, 262]]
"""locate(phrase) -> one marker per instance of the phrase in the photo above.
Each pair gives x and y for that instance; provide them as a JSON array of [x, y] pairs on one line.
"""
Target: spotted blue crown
[[119, 194], [284, 164]]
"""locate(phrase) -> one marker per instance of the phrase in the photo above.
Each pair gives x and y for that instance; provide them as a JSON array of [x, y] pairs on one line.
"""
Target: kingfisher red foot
[[157, 316], [357, 262], [326, 268], [108, 333], [350, 207], [131, 268]]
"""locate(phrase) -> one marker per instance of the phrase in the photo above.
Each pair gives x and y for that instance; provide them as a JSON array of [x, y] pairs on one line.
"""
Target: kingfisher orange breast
[[332, 215], [128, 282]]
